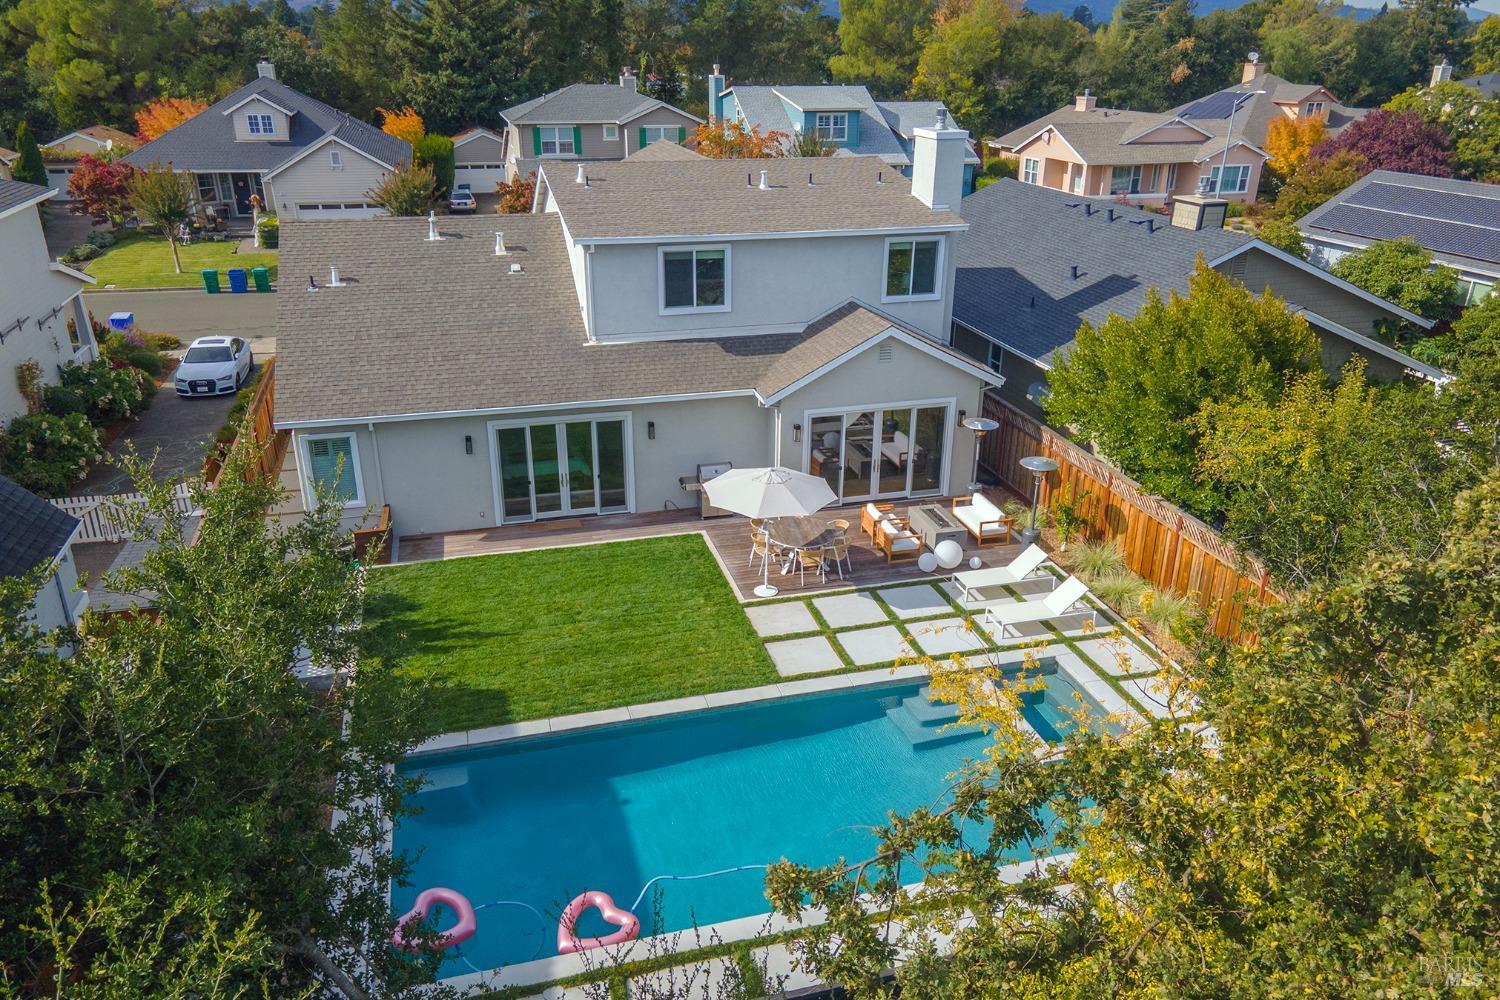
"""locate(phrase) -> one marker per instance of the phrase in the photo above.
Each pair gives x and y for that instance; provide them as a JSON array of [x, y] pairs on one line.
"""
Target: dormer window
[[260, 124], [1314, 108], [833, 126]]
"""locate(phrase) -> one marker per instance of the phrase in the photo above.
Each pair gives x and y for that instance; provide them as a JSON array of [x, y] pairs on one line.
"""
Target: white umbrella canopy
[[773, 492]]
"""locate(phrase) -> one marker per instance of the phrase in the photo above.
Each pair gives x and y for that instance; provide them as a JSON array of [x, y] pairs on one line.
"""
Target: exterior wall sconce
[[468, 444], [651, 430], [797, 433], [961, 415]]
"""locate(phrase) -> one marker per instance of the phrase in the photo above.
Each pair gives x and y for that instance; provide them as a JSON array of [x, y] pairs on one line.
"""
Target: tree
[[101, 190], [1470, 120], [1083, 15], [462, 60], [1038, 68], [516, 196], [410, 189], [1484, 47], [160, 199], [1283, 234], [170, 784], [1316, 182], [1133, 385], [1402, 272], [1289, 140], [810, 144], [404, 124], [733, 141], [759, 41], [436, 151], [355, 37], [155, 118], [299, 63], [29, 166], [958, 63], [1388, 140], [880, 42]]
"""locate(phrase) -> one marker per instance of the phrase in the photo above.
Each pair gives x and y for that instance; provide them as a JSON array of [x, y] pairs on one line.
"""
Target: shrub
[[47, 453], [98, 390], [1172, 613], [1122, 591], [436, 151], [103, 239], [1002, 166], [1092, 560], [134, 349], [231, 425], [81, 253], [407, 190], [270, 231], [161, 341]]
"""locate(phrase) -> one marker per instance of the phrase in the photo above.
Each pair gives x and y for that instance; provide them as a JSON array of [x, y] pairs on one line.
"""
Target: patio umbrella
[[773, 492]]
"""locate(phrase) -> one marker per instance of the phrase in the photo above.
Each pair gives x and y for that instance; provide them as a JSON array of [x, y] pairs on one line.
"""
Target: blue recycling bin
[[121, 321], [238, 280]]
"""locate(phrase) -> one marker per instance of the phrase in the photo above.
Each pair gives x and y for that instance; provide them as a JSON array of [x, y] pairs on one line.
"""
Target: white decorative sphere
[[976, 562], [949, 554], [927, 562]]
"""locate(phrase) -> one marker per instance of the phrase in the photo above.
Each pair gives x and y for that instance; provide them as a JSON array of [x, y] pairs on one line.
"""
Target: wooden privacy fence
[[99, 516], [1168, 547], [270, 444]]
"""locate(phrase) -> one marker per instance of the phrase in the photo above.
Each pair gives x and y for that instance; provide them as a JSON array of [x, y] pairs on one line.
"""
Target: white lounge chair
[[1065, 600], [1022, 567]]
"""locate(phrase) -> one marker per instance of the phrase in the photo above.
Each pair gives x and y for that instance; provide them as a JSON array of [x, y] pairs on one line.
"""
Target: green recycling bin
[[210, 280], [262, 279]]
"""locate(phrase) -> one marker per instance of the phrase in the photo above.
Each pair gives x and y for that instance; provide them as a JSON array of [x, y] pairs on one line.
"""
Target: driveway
[[62, 229], [191, 313], [178, 430]]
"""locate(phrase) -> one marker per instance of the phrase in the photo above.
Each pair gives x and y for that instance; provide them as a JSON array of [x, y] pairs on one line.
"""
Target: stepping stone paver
[[916, 602], [875, 645], [992, 595], [945, 636], [714, 977], [803, 656], [781, 619], [1107, 653], [843, 610]]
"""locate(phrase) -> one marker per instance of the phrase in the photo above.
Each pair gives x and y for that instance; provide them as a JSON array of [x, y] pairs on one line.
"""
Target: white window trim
[[611, 132], [837, 129], [1215, 179], [950, 405], [561, 131], [663, 309], [1315, 107], [259, 117], [1031, 166], [335, 159], [668, 132], [305, 453], [937, 274], [493, 426], [1171, 177]]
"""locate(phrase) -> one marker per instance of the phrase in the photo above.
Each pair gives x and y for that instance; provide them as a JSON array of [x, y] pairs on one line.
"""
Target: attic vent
[[1237, 268], [886, 353]]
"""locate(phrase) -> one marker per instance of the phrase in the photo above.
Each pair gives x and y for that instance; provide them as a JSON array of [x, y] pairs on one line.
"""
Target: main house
[[42, 319], [1020, 298], [62, 154], [1458, 222], [589, 121], [846, 117], [650, 317], [301, 158]]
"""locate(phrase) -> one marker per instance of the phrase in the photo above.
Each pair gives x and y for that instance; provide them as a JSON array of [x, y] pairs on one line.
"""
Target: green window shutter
[[643, 137], [681, 134], [332, 466], [536, 141], [577, 141]]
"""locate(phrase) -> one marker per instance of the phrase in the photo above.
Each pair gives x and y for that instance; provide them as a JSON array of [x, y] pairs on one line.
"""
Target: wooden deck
[[728, 538]]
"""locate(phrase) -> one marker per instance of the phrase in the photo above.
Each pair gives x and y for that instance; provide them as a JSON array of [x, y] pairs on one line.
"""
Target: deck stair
[[923, 721]]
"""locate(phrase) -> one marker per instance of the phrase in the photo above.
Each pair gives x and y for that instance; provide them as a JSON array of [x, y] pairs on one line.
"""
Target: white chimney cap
[[500, 250]]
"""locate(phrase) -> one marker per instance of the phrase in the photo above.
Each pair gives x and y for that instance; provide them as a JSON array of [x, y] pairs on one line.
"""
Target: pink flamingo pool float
[[568, 940], [458, 933]]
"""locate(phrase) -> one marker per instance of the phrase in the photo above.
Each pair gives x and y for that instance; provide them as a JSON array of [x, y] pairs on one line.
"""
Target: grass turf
[[143, 261], [530, 635]]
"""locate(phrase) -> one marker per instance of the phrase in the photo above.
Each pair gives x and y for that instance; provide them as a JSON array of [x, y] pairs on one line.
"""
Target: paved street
[[192, 313], [178, 430]]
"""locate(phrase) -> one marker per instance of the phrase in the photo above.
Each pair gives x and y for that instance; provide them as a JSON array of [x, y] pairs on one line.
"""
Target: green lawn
[[141, 261], [535, 634]]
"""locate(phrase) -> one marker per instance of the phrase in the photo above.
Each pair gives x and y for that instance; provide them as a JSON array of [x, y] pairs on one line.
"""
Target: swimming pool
[[538, 821]]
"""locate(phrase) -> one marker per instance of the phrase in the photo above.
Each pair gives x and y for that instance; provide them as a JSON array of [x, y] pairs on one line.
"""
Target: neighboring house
[[1020, 296], [42, 318], [62, 153], [1458, 222], [659, 313], [1262, 97], [34, 534], [479, 158], [845, 116], [8, 158], [304, 159], [1487, 84], [589, 121]]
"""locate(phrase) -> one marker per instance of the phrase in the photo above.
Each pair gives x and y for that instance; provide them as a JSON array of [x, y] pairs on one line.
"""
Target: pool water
[[539, 821]]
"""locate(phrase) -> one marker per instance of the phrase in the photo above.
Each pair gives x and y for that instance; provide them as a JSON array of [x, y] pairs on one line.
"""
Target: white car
[[214, 365]]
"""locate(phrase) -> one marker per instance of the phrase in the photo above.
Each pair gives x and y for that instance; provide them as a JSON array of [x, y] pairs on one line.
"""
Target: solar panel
[[1220, 105], [1449, 206], [1439, 236]]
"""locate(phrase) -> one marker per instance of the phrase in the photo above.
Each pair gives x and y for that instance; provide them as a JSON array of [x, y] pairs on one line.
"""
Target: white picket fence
[[100, 515]]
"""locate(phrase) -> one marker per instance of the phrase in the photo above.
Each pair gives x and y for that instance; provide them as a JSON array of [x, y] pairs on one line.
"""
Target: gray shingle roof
[[761, 107], [506, 340], [13, 193], [584, 102], [32, 531], [706, 197], [1099, 136], [1487, 84], [1014, 282], [206, 141], [1258, 111], [664, 150]]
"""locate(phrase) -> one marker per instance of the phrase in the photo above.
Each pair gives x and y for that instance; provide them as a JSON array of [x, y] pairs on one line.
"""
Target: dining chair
[[812, 559], [841, 526], [760, 547], [839, 550]]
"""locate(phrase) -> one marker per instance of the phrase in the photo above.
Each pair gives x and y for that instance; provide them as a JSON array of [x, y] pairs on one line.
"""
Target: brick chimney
[[1254, 69], [1441, 73], [265, 68], [1085, 101]]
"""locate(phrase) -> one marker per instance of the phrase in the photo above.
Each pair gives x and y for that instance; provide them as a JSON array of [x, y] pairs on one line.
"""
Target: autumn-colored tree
[[736, 142], [1393, 140], [403, 124], [101, 189], [156, 118], [516, 196], [408, 190], [1316, 182], [1289, 140]]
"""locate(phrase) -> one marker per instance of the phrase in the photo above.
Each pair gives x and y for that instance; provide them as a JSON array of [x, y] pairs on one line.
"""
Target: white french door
[[561, 468], [880, 452]]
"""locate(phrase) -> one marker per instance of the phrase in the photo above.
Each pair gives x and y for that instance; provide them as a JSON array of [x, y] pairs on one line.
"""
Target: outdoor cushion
[[979, 511], [901, 540], [874, 513]]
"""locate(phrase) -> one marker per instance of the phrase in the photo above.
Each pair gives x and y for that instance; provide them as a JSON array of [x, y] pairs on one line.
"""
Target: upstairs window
[[556, 140], [336, 159], [911, 269], [1031, 170], [1314, 108], [655, 133], [261, 124], [694, 279], [833, 126], [611, 132]]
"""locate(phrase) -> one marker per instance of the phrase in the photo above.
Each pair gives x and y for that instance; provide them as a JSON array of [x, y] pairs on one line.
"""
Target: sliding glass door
[[557, 469], [875, 453]]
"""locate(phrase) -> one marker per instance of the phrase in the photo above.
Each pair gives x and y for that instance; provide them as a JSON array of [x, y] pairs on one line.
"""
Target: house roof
[[32, 531], [14, 194], [510, 341], [1487, 84], [627, 200], [1103, 136], [1256, 112], [101, 134], [1457, 221], [581, 103], [664, 150], [8, 156], [762, 107], [206, 141]]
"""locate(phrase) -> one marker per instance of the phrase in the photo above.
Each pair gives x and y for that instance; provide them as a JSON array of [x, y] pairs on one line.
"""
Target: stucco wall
[[59, 601], [30, 289], [313, 179]]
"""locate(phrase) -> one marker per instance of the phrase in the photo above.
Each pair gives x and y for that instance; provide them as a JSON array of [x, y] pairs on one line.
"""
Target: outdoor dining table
[[799, 534]]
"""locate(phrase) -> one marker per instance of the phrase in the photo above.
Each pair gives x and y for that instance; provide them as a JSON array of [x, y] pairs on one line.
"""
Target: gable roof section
[[761, 107], [586, 103], [206, 141], [664, 150], [32, 531], [101, 134], [1111, 137], [510, 342], [627, 201], [1330, 278], [1257, 111], [16, 195], [474, 132]]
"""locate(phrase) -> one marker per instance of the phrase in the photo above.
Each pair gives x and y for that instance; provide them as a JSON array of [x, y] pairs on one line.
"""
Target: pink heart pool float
[[569, 942], [459, 932]]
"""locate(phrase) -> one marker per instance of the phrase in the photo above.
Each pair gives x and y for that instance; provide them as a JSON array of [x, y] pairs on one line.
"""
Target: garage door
[[338, 210], [481, 177]]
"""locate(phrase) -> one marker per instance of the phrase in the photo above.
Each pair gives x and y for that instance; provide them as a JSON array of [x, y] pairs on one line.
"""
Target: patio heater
[[980, 426], [1038, 466]]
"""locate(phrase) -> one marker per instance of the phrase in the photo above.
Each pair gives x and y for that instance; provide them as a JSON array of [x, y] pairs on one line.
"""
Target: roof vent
[[809, 179], [942, 117], [887, 353], [312, 283], [749, 180], [765, 180], [333, 277], [880, 177], [432, 233], [516, 268], [1074, 272], [1109, 215], [1088, 209], [582, 177], [500, 250]]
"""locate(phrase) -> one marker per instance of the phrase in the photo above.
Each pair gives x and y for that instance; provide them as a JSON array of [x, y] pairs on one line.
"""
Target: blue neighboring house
[[845, 115]]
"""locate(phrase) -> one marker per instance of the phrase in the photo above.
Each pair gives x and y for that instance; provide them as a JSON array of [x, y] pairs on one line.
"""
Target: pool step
[[922, 721]]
